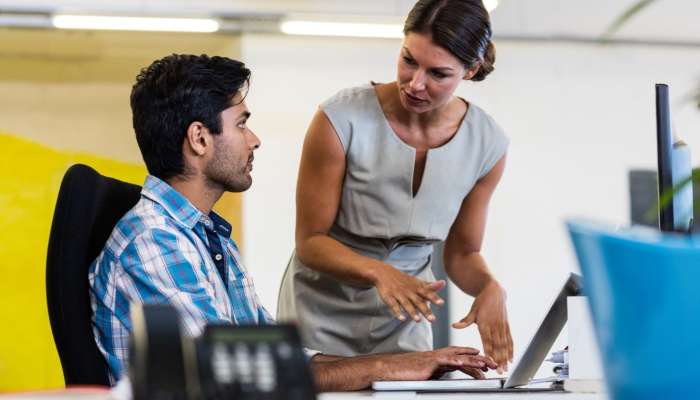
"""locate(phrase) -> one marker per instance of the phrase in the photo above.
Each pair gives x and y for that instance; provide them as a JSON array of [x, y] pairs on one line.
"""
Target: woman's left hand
[[489, 313]]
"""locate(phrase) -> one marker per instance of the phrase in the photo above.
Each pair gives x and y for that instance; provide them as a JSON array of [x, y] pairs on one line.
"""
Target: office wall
[[579, 116], [64, 98]]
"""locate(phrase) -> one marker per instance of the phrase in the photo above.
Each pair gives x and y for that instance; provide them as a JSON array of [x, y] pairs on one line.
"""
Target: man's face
[[232, 162]]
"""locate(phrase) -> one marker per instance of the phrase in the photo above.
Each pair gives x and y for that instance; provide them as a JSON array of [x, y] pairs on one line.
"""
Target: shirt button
[[218, 257]]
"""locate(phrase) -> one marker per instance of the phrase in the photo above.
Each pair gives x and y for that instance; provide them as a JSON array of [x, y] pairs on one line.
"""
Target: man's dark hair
[[172, 93], [462, 27]]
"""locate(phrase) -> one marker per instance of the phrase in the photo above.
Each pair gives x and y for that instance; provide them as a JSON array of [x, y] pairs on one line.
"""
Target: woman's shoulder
[[481, 121], [350, 96], [348, 109]]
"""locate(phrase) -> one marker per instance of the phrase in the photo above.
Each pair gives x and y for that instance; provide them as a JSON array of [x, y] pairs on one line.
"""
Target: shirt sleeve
[[310, 353], [161, 267], [264, 316]]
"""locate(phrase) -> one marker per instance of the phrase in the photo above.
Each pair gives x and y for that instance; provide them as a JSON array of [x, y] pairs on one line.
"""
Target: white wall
[[291, 76], [579, 117]]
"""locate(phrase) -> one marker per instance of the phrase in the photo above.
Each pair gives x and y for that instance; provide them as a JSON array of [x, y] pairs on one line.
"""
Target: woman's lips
[[413, 98]]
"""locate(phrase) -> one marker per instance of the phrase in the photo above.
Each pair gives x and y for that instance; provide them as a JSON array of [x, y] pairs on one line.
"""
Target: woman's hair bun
[[487, 65]]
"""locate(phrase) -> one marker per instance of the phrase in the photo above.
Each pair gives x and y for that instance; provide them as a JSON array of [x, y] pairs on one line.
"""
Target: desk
[[464, 396], [103, 395]]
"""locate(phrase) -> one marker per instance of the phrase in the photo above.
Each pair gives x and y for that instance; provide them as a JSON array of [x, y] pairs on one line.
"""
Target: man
[[190, 119]]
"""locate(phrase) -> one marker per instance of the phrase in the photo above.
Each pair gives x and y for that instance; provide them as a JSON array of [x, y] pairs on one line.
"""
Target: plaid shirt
[[159, 252]]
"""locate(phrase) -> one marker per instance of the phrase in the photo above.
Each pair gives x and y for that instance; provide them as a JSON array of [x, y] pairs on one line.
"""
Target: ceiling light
[[351, 29], [135, 23]]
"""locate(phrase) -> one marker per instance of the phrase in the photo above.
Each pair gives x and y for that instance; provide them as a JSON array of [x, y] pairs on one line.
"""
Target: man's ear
[[469, 74], [197, 138]]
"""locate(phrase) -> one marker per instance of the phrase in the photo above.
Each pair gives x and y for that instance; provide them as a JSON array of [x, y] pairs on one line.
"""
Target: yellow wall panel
[[31, 175]]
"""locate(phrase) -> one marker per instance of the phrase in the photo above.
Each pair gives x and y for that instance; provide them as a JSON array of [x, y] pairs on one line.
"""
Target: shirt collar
[[180, 208], [220, 225]]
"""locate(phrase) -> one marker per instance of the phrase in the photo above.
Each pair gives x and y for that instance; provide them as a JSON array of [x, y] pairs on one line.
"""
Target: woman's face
[[427, 74]]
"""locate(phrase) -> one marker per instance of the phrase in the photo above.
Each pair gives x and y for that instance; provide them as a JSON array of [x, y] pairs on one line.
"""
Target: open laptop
[[520, 380]]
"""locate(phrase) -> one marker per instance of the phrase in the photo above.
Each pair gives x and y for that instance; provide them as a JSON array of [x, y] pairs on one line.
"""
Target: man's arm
[[333, 373]]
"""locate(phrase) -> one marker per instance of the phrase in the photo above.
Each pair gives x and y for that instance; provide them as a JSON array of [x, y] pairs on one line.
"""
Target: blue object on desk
[[644, 291]]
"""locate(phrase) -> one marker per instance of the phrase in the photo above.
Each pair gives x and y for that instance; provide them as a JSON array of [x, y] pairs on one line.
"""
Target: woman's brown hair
[[462, 27]]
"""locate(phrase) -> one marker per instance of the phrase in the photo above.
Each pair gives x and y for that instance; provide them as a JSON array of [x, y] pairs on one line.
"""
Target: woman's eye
[[439, 75]]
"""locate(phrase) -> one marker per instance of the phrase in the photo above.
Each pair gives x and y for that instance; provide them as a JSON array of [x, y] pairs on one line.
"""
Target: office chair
[[643, 292], [87, 208]]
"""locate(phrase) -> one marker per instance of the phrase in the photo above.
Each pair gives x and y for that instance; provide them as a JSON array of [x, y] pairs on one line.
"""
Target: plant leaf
[[632, 11], [667, 197]]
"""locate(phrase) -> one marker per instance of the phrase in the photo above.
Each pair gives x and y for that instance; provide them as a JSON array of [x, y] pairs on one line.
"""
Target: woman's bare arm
[[319, 189]]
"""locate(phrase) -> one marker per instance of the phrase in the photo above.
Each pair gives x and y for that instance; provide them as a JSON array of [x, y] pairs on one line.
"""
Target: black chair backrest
[[88, 207]]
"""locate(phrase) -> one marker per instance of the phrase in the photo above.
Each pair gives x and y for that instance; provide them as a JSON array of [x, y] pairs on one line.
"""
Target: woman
[[386, 171]]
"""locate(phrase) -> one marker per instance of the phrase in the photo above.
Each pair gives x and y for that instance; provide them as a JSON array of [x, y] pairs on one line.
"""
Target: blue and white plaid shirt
[[159, 253]]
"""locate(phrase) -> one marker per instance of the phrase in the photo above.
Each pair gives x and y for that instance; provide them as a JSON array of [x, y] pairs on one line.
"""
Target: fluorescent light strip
[[342, 29], [135, 23]]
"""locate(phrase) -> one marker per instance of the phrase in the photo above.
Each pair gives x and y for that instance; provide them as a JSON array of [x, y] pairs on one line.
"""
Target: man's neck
[[196, 190]]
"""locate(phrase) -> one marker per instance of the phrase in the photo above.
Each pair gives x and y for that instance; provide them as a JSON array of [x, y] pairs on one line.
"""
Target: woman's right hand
[[401, 291]]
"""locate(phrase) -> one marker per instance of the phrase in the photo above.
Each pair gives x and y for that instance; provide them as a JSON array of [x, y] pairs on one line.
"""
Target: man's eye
[[408, 60], [242, 124]]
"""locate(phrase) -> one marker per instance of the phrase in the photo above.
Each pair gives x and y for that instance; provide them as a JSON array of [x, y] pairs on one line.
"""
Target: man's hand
[[356, 373], [401, 291], [434, 364], [489, 313]]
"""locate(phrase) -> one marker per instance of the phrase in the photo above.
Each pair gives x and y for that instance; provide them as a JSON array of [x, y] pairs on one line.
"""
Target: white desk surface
[[61, 395], [468, 396]]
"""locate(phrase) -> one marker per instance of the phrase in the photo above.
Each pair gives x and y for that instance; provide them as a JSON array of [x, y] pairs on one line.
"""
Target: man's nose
[[253, 140]]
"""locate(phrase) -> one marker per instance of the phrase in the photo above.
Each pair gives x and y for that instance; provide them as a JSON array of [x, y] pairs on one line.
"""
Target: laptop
[[520, 380]]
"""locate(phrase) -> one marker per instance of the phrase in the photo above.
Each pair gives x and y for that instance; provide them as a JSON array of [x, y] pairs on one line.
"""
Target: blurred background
[[577, 105]]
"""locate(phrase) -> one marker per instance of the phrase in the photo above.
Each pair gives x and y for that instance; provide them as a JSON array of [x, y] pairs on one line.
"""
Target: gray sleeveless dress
[[380, 218]]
